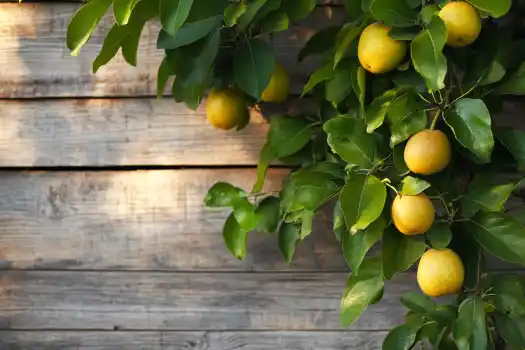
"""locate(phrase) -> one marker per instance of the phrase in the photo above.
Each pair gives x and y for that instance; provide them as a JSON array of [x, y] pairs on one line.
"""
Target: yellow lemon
[[278, 88], [440, 272], [377, 52], [225, 109], [427, 152], [463, 23], [413, 215]]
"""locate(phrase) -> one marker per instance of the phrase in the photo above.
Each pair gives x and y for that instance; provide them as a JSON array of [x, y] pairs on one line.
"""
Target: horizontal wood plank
[[186, 301], [145, 220], [324, 340], [34, 60], [109, 132]]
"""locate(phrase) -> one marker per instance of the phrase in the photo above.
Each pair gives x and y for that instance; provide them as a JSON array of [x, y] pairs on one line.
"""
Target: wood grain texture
[[324, 340], [146, 220], [76, 300], [109, 132], [34, 61]]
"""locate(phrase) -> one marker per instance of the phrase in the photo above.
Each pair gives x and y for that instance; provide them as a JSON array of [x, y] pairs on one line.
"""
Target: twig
[[436, 118]]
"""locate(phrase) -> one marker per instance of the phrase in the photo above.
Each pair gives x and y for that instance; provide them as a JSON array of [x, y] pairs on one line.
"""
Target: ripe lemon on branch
[[413, 215], [225, 109], [463, 23], [278, 88], [377, 51], [428, 152], [440, 272]]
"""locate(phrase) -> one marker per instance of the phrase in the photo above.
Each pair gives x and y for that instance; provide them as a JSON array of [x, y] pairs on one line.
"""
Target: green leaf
[[399, 159], [494, 73], [515, 85], [418, 303], [287, 136], [319, 43], [252, 9], [359, 87], [378, 109], [298, 9], [162, 77], [307, 218], [428, 12], [439, 235], [413, 186], [122, 10], [508, 294], [112, 44], [470, 121], [357, 245], [470, 327], [203, 9], [406, 117], [173, 14], [288, 238], [321, 74], [400, 252], [499, 234], [235, 237], [362, 288], [223, 194], [276, 21], [348, 138], [254, 64], [84, 22], [188, 33], [233, 12], [339, 226], [483, 194], [362, 201], [338, 88], [347, 35], [402, 337], [267, 214], [511, 329], [393, 13], [311, 190], [404, 34], [494, 8], [203, 62], [514, 141], [244, 213], [427, 54]]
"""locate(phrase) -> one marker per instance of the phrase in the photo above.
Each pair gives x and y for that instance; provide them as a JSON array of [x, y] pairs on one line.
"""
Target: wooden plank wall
[[102, 253]]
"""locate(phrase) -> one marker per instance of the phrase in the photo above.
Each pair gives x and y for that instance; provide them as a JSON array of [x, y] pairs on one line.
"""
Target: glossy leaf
[[393, 13], [402, 337], [399, 160], [337, 88], [362, 201], [514, 141], [298, 9], [288, 238], [400, 252], [163, 75], [404, 34], [188, 33], [470, 121], [267, 214], [235, 237], [338, 222], [508, 294], [378, 109], [244, 213], [320, 42], [470, 327], [359, 87], [484, 195], [254, 64], [353, 8], [406, 117], [223, 194], [348, 138], [233, 12], [122, 10], [493, 74], [515, 85], [362, 288], [252, 8], [439, 235], [355, 246], [347, 35], [500, 234], [311, 190], [173, 14], [494, 8], [413, 186], [203, 63], [321, 74], [427, 54], [418, 303], [275, 22], [512, 329], [84, 22]]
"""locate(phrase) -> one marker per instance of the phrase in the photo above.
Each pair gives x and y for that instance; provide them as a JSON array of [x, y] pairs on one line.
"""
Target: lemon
[[463, 23], [377, 51], [225, 109], [413, 215], [427, 152], [440, 272], [278, 88]]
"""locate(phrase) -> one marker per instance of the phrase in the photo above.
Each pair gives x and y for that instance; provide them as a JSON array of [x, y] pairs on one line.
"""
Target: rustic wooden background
[[104, 241]]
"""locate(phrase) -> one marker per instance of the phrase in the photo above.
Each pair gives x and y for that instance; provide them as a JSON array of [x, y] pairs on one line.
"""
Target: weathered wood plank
[[324, 340], [146, 220], [76, 300], [101, 132], [34, 61]]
